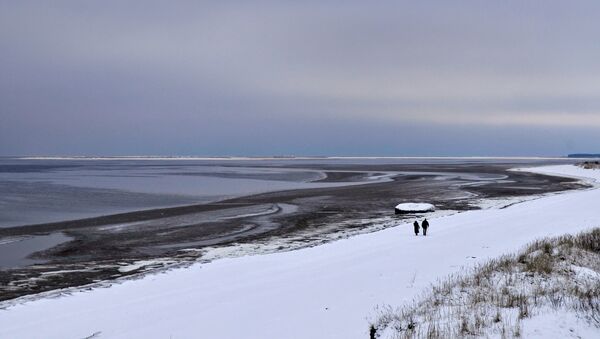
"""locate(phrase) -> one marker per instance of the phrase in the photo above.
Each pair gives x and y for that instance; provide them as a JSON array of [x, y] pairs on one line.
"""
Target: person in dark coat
[[416, 225], [425, 225]]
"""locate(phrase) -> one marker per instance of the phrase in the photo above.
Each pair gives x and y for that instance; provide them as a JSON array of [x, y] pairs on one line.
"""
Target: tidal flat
[[112, 215]]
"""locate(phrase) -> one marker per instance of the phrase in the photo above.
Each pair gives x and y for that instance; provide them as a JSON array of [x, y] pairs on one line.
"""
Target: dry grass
[[590, 164], [496, 296]]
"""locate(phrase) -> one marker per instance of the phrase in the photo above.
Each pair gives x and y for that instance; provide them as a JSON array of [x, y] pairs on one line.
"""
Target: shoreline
[[380, 242], [333, 178], [326, 179], [323, 215]]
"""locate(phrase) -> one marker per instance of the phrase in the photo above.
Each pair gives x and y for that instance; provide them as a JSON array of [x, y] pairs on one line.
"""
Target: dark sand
[[101, 244]]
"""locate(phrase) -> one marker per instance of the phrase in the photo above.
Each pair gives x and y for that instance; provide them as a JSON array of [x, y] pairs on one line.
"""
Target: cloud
[[196, 67]]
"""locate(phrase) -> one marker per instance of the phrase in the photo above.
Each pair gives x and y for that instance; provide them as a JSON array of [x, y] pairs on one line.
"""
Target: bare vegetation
[[493, 299], [590, 164]]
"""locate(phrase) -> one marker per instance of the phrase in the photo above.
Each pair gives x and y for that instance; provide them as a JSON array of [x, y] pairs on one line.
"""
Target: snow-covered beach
[[327, 291]]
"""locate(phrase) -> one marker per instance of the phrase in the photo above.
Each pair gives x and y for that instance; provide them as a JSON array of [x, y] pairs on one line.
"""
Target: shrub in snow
[[590, 164], [560, 274]]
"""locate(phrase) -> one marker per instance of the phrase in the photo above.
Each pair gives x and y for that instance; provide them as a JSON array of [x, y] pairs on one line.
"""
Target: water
[[36, 191], [15, 252], [40, 191]]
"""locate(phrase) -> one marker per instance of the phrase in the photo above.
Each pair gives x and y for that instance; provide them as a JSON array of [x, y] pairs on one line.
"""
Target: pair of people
[[424, 224]]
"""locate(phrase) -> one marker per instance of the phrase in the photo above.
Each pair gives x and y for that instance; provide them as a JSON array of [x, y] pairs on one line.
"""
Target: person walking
[[416, 225], [425, 225]]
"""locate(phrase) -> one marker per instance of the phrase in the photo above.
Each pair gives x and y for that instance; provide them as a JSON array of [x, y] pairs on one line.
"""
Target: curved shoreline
[[329, 177], [323, 215], [359, 260]]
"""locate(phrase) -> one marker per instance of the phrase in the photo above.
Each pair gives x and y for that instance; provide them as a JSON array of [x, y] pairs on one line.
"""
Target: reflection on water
[[40, 191], [14, 252], [36, 191]]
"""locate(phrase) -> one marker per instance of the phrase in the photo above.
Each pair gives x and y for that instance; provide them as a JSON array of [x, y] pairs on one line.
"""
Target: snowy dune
[[329, 291]]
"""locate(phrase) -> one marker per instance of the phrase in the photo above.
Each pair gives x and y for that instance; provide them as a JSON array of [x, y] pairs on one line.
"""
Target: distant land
[[584, 155]]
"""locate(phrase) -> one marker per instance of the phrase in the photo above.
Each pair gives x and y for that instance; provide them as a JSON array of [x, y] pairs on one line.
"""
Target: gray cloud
[[128, 77]]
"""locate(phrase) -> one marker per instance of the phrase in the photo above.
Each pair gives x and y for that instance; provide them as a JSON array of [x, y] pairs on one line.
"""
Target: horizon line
[[275, 157]]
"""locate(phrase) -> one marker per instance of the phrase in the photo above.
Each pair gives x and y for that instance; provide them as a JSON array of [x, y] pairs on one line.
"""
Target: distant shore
[[160, 157]]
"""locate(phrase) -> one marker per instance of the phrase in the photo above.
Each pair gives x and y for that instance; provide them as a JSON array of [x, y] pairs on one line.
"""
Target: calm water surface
[[40, 191]]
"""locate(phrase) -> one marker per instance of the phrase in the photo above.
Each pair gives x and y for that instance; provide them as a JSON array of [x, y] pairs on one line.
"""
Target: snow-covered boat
[[410, 208]]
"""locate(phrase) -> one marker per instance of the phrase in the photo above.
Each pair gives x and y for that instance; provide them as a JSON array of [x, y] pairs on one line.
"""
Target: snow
[[140, 264], [415, 207], [585, 274], [11, 240], [328, 291], [553, 324]]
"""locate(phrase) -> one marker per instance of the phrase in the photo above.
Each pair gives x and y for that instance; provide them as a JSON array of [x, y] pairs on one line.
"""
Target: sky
[[259, 78]]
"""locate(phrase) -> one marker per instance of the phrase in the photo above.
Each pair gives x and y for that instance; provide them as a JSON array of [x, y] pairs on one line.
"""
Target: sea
[[50, 189]]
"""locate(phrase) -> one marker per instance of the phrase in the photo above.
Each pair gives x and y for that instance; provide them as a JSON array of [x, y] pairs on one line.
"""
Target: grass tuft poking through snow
[[497, 298], [590, 165]]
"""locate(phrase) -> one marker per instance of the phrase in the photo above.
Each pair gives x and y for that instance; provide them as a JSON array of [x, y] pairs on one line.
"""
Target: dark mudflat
[[101, 245]]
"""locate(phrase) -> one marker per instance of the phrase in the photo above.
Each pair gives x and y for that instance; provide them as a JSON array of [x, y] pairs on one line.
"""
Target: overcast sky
[[299, 77]]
